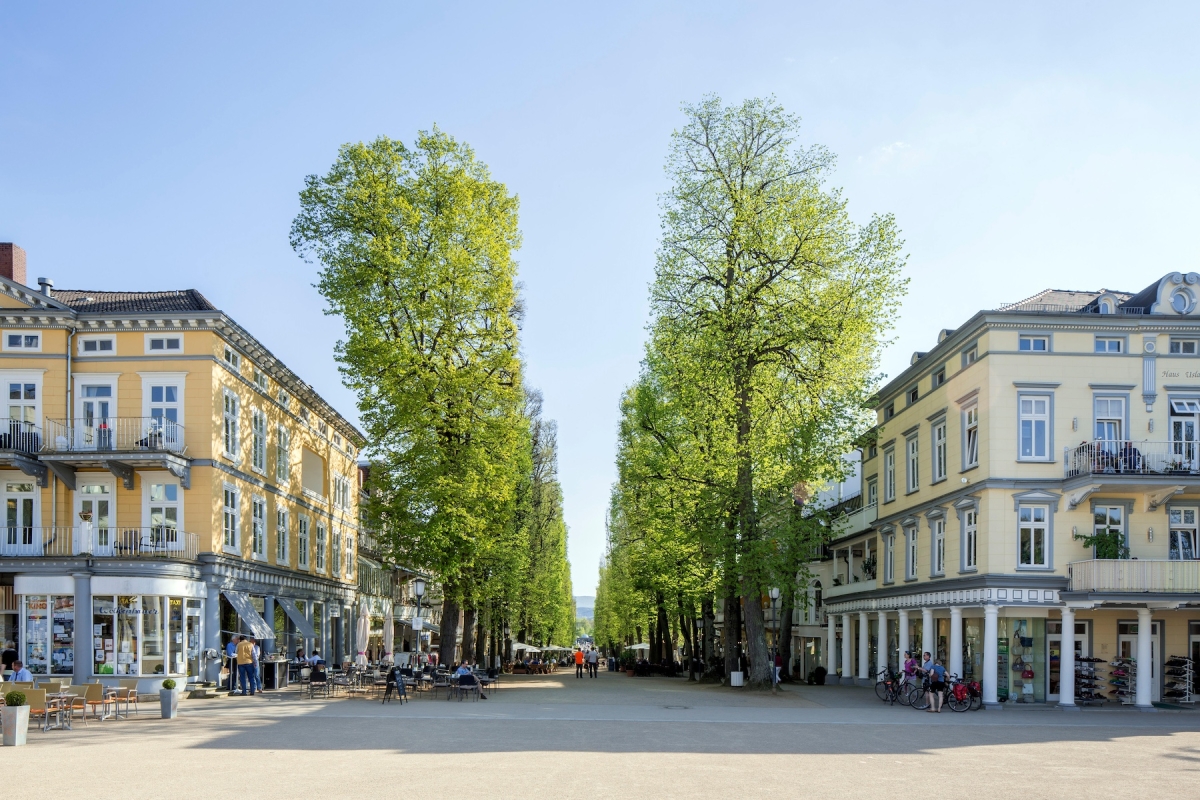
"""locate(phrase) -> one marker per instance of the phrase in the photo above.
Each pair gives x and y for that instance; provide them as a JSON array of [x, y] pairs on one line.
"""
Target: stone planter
[[737, 678], [629, 672], [169, 700], [16, 724]]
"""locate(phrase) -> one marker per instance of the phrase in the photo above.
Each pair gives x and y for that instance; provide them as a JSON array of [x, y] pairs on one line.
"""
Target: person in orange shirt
[[578, 663]]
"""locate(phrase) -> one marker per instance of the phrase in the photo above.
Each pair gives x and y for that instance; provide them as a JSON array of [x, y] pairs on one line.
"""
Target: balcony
[[118, 444], [854, 587], [855, 520], [1130, 458], [158, 542], [1140, 576], [17, 436]]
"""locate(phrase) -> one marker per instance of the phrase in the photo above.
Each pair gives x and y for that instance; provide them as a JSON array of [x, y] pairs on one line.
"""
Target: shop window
[[145, 635], [49, 637]]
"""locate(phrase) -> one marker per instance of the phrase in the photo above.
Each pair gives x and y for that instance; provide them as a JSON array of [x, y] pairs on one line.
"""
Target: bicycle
[[918, 695], [888, 687], [958, 694]]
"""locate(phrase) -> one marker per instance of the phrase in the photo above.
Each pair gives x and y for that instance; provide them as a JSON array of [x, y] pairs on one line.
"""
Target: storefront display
[[49, 634], [146, 635], [1022, 660]]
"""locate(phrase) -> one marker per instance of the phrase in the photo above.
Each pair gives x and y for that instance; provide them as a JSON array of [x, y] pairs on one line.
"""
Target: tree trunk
[[685, 627], [468, 637], [448, 653], [481, 643], [664, 633], [652, 653], [733, 635], [756, 638], [639, 635], [785, 636], [706, 613]]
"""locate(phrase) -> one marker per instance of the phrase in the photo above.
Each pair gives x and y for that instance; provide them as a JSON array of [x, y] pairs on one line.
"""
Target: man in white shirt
[[593, 663], [315, 657], [20, 673]]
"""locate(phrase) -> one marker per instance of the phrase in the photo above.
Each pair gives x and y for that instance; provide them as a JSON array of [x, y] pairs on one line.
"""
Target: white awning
[[303, 626], [245, 610], [523, 646]]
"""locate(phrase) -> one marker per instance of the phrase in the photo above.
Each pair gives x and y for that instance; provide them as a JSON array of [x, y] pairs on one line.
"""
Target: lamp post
[[506, 653], [419, 591], [775, 615]]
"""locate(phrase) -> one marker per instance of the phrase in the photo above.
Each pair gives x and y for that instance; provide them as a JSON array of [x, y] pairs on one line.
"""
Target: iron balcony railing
[[1065, 308], [21, 541], [1127, 457], [1134, 576], [20, 436], [114, 434]]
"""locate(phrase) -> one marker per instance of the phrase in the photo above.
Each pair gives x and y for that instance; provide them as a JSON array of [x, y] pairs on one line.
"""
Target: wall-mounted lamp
[[1150, 425], [1149, 534], [1074, 423], [1074, 531]]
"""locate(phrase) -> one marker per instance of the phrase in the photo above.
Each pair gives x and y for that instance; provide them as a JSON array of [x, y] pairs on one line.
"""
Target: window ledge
[[937, 576], [936, 481], [1036, 461], [968, 571], [1021, 568], [912, 491], [230, 457], [968, 469], [258, 471], [233, 551], [257, 557], [911, 580]]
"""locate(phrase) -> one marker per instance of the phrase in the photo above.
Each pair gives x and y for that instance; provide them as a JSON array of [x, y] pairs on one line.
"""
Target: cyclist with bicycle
[[909, 670], [937, 687]]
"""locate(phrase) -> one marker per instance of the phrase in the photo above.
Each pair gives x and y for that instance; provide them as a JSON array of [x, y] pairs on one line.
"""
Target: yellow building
[[1063, 416], [166, 481]]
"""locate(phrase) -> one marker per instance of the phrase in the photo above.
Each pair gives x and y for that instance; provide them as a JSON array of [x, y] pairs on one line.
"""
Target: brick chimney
[[12, 262]]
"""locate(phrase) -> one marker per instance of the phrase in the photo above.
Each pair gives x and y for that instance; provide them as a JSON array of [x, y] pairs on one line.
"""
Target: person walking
[[578, 663], [937, 687], [255, 651], [593, 660], [245, 665]]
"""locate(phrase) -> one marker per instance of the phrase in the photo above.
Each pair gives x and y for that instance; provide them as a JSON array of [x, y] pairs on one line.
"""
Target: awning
[[303, 626], [245, 610]]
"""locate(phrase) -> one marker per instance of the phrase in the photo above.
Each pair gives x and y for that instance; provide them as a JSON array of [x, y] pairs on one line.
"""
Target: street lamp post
[[505, 656], [775, 614], [419, 591]]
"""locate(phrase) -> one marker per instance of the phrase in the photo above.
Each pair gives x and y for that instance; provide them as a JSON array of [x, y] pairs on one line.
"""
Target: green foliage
[[14, 699], [1109, 543], [169, 683]]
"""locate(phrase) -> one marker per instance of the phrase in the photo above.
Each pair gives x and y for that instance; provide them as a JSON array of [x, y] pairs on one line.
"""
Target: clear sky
[[157, 147]]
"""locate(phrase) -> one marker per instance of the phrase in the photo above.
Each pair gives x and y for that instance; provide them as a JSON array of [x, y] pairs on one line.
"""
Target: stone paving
[[557, 736]]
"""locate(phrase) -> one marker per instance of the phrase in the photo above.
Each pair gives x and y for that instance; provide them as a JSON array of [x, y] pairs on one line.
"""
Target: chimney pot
[[47, 286], [12, 262]]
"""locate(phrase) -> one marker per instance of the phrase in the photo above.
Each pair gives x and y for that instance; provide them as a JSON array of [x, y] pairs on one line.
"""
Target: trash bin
[[735, 678]]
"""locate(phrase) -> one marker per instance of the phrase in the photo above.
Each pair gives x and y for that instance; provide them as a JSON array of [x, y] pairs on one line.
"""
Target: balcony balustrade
[[20, 436], [160, 542], [1127, 457], [1134, 576], [114, 435]]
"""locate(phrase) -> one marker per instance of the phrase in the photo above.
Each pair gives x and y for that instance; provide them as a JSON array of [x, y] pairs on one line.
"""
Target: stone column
[[1142, 697], [309, 644], [212, 632], [881, 653], [847, 657], [991, 632], [831, 648], [1066, 661], [864, 649], [268, 645], [928, 634], [326, 634], [902, 637], [83, 655], [955, 665]]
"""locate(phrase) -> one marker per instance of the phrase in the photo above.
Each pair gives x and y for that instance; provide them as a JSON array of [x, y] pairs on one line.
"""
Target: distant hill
[[584, 605]]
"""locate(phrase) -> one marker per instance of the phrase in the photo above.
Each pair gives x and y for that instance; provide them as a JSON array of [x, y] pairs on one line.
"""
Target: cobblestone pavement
[[558, 736]]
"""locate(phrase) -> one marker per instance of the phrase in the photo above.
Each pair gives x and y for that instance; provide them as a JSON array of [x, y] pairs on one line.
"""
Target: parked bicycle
[[890, 688]]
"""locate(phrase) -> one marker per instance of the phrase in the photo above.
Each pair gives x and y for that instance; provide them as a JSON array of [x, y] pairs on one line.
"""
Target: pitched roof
[[87, 302], [1061, 300]]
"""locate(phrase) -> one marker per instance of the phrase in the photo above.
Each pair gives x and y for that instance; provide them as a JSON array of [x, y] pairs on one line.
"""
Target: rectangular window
[[231, 425], [1110, 421], [889, 475], [1109, 345], [939, 451], [97, 345], [260, 380], [335, 552], [320, 547], [163, 344], [1183, 535], [233, 359], [258, 452], [872, 493], [258, 527], [164, 515], [1109, 521], [938, 565], [910, 561], [229, 517], [1034, 344], [22, 407], [913, 464], [302, 544], [970, 538], [913, 395], [889, 558], [1034, 427], [971, 437], [283, 454], [890, 411], [970, 355], [281, 536], [939, 377], [1032, 536], [18, 340], [349, 555], [1183, 347], [283, 398]]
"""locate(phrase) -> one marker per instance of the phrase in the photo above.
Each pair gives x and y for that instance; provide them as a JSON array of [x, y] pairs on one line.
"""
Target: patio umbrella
[[364, 633], [639, 646], [388, 637]]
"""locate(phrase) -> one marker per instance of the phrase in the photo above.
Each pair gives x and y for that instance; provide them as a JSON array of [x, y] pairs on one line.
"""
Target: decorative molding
[[1075, 498], [1112, 387], [1035, 385], [1156, 499]]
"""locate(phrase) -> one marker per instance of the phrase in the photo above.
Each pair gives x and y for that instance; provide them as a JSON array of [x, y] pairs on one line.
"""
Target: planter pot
[[736, 678], [169, 700], [629, 672], [16, 724]]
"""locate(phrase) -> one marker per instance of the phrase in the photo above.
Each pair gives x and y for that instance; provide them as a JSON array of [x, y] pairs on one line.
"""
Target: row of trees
[[415, 247], [769, 310]]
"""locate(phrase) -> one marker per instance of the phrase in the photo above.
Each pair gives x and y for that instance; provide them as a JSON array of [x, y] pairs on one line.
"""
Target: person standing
[[593, 659], [256, 651], [231, 658], [578, 663], [937, 687], [10, 655], [245, 665]]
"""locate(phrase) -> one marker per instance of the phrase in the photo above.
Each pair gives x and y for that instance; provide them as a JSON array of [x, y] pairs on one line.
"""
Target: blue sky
[[155, 147]]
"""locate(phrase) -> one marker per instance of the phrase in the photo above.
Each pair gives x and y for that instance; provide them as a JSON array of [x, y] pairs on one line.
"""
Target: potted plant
[[168, 699], [819, 676], [16, 719]]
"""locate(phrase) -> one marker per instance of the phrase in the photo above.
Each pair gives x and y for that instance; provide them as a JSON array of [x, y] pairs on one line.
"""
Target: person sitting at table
[[463, 669], [20, 673], [315, 658], [300, 655]]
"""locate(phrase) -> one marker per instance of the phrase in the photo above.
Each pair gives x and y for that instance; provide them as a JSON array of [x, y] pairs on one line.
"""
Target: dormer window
[[1106, 307]]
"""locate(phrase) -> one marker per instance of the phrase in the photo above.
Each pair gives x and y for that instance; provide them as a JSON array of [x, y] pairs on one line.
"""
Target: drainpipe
[[66, 420]]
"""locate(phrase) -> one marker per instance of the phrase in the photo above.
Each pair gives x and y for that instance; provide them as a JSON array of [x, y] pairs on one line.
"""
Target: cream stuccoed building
[[1030, 503]]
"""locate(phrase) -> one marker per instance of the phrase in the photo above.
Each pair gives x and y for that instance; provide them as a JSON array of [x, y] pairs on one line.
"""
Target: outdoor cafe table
[[56, 704]]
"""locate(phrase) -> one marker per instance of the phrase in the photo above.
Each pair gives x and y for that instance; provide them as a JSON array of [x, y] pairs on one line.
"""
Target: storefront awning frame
[[245, 611], [303, 627]]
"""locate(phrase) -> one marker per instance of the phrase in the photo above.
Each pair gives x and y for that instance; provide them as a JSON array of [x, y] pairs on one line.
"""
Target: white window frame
[[1027, 520], [303, 541], [910, 553], [1103, 414], [150, 479], [1108, 342], [258, 441], [1183, 345], [1033, 340], [258, 527], [25, 379], [335, 551], [23, 347], [231, 539], [1182, 520], [166, 339], [283, 398], [889, 558], [941, 449], [872, 493], [970, 354], [937, 547], [283, 454], [971, 539], [912, 460], [970, 425], [260, 380], [319, 563], [889, 474], [97, 339], [176, 379], [1033, 418], [230, 435], [350, 560], [281, 536], [233, 358]]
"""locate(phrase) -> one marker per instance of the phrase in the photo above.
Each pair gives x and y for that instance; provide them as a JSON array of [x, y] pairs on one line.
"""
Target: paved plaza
[[556, 736]]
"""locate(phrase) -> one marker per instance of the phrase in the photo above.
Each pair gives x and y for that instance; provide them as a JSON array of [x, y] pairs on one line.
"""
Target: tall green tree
[[416, 252]]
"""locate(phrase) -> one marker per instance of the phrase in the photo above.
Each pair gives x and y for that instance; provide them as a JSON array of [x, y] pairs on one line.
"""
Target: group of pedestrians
[[932, 669], [244, 653], [589, 659]]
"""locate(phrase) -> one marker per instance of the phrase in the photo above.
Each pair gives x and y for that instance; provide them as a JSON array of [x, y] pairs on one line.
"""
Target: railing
[[114, 434], [1126, 457], [1129, 575], [1064, 308], [856, 521], [21, 436], [18, 541]]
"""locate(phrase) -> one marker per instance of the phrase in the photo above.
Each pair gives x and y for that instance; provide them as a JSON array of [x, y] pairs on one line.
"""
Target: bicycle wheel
[[918, 699], [976, 702], [956, 704], [881, 691], [905, 695]]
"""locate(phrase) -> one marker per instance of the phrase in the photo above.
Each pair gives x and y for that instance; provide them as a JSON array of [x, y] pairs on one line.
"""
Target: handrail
[[1130, 457], [114, 434], [1134, 576], [20, 436], [159, 541]]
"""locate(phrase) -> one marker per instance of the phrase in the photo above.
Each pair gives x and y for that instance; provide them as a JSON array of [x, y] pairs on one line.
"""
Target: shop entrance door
[[1127, 648], [192, 636], [1054, 639]]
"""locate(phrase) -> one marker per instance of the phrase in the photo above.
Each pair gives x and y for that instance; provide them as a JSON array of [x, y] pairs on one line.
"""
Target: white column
[[1142, 696], [831, 646], [955, 655], [881, 653], [991, 630], [847, 657], [864, 649], [1066, 661], [902, 637], [927, 633]]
